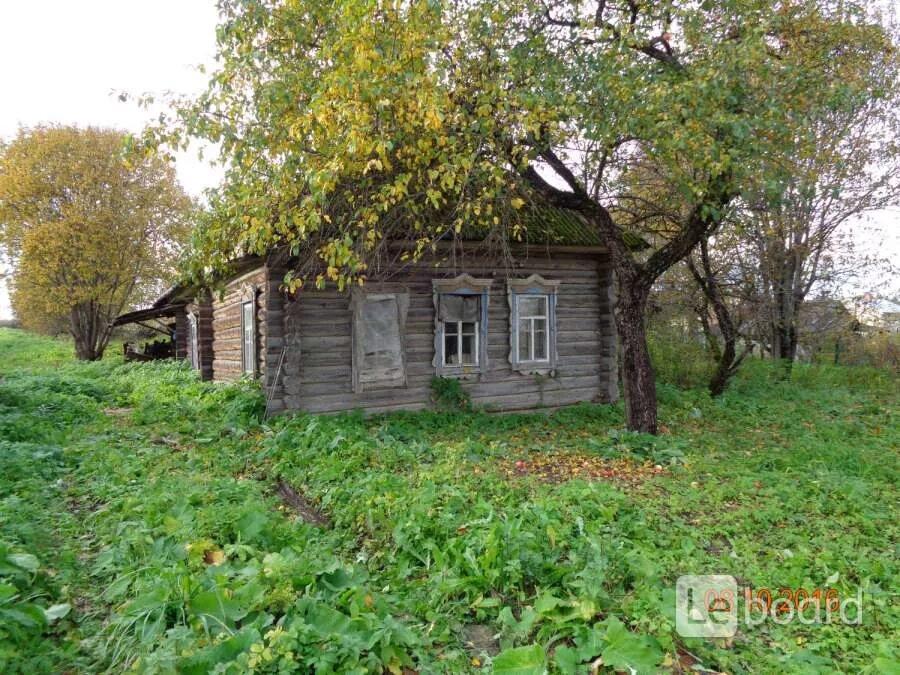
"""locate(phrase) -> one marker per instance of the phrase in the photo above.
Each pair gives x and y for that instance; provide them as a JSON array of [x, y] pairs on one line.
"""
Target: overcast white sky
[[62, 59]]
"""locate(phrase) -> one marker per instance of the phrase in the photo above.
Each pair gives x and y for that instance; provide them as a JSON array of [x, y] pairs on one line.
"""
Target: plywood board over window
[[379, 354]]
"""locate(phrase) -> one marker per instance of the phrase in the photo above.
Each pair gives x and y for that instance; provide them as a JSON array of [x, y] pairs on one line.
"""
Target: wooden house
[[535, 332]]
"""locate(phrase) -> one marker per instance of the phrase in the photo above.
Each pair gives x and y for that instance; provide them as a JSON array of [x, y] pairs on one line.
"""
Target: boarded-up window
[[248, 337], [379, 359], [459, 307]]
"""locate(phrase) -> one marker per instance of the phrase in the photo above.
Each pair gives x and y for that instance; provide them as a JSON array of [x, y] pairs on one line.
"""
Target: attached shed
[[536, 332]]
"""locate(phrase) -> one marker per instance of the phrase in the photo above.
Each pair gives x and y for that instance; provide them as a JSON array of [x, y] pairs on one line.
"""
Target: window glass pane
[[192, 334], [451, 347], [247, 347], [468, 350], [460, 335], [248, 321], [524, 339], [540, 343], [532, 305]]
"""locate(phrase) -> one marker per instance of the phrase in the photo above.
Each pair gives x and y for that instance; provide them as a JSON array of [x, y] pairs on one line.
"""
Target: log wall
[[226, 324], [202, 308], [315, 342], [181, 334], [274, 350]]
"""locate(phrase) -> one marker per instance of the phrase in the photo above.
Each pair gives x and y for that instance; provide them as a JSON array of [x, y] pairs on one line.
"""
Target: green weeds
[[150, 536], [447, 392]]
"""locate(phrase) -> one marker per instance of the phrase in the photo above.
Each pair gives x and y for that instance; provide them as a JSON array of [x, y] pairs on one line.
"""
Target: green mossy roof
[[549, 226]]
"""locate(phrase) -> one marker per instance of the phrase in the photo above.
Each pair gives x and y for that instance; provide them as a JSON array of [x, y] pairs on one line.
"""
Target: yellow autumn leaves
[[84, 226]]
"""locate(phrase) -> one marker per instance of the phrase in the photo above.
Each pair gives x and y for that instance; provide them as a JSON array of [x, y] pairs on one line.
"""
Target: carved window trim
[[249, 361], [535, 286], [193, 340], [465, 285], [248, 292]]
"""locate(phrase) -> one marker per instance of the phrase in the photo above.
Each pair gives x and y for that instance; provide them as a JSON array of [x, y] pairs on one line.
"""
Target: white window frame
[[531, 287], [459, 343], [545, 317], [193, 341], [469, 286], [249, 356]]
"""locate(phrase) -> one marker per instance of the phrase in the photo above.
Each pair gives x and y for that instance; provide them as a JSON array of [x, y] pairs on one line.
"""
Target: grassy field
[[152, 522]]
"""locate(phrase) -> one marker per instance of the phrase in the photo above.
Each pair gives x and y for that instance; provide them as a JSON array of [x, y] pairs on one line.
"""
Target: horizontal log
[[511, 383], [528, 401], [315, 344], [422, 400]]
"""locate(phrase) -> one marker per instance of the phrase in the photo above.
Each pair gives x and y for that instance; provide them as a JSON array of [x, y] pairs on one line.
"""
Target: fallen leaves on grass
[[564, 466]]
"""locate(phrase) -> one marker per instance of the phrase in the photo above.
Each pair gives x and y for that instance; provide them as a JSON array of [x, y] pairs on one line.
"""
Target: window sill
[[534, 368], [459, 372]]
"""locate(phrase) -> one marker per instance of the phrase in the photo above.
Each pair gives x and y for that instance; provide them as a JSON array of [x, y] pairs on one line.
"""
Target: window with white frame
[[248, 336], [193, 343], [460, 324], [532, 336], [533, 312], [459, 316]]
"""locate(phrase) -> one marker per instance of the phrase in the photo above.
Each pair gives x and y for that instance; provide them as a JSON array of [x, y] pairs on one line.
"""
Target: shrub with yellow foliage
[[88, 230]]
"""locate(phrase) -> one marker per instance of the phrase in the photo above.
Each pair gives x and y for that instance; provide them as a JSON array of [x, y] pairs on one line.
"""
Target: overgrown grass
[[679, 360], [149, 536], [21, 350]]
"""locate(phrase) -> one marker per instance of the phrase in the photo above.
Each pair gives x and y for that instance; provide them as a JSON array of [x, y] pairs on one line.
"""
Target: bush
[[677, 360], [878, 351]]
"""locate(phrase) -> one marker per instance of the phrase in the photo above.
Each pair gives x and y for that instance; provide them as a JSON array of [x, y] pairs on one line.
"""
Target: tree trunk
[[638, 378], [634, 278], [89, 331], [784, 328], [712, 343], [727, 359], [784, 343], [724, 370], [792, 338]]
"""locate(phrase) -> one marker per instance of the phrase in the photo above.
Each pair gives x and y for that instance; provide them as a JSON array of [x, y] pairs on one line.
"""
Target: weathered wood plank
[[316, 369]]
